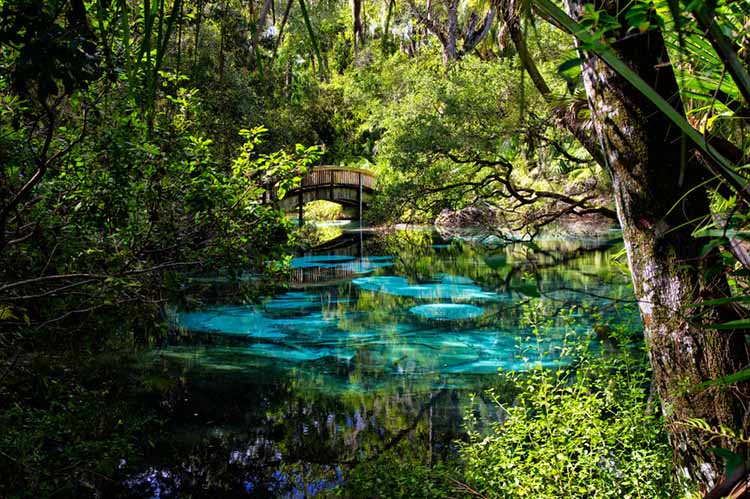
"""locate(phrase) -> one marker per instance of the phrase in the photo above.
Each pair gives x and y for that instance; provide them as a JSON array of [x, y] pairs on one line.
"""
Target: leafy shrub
[[72, 432], [323, 210], [588, 433]]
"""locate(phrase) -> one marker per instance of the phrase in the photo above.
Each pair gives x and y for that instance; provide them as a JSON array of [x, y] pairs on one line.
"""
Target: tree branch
[[472, 36], [42, 163], [428, 22], [61, 277], [522, 195]]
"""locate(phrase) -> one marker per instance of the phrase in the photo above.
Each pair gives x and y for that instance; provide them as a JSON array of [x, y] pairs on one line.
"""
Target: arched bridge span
[[343, 185]]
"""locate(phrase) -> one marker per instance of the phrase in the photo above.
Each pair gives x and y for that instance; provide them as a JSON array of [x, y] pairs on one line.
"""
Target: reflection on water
[[373, 339], [447, 311]]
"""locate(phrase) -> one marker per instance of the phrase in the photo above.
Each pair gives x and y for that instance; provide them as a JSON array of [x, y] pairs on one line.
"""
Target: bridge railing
[[327, 175], [334, 176]]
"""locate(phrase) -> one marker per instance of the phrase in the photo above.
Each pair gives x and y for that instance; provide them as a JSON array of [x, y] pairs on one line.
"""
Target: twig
[[465, 488], [59, 277]]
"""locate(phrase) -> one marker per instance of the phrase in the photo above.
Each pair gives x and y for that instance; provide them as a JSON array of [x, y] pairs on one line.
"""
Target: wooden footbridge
[[346, 186]]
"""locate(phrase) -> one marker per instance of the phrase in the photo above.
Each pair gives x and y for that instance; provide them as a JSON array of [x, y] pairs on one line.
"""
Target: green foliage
[[470, 133], [68, 429], [133, 200], [323, 210], [589, 432], [118, 174], [54, 49]]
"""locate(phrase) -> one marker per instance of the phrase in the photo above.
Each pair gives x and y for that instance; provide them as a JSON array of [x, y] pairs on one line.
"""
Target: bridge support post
[[301, 213], [359, 198]]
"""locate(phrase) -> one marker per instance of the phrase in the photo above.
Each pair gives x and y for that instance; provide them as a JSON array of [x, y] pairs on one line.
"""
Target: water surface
[[376, 339]]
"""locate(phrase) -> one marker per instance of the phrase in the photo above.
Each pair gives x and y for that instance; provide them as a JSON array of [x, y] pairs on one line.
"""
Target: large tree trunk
[[652, 181], [260, 28], [359, 33], [450, 43]]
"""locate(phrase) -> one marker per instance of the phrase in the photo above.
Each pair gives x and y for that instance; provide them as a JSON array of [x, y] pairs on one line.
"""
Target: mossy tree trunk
[[653, 175]]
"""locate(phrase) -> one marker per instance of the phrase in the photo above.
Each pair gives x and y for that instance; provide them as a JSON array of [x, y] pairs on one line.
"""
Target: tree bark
[[447, 30], [280, 36], [359, 34], [658, 209], [450, 45], [260, 27], [473, 36], [196, 44], [387, 25]]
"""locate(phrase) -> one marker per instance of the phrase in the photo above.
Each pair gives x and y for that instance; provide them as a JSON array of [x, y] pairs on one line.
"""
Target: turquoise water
[[462, 317], [365, 339]]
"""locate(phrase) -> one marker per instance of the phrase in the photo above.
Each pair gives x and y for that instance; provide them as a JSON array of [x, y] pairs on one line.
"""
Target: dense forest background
[[139, 142]]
